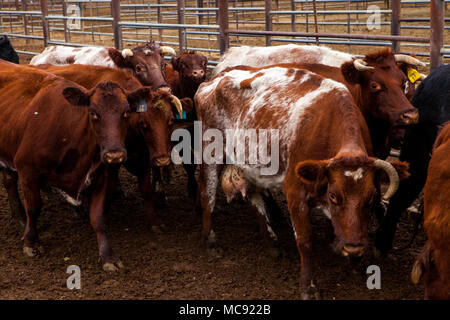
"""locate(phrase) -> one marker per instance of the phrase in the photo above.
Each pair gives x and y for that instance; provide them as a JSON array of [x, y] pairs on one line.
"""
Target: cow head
[[383, 87], [350, 185], [191, 67], [146, 63], [109, 109], [154, 121]]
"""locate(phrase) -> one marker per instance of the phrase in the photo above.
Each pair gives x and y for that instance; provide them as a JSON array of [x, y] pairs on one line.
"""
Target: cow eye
[[138, 68], [333, 198], [94, 115], [374, 86]]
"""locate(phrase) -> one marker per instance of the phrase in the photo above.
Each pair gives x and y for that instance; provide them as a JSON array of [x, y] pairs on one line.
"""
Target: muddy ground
[[174, 265]]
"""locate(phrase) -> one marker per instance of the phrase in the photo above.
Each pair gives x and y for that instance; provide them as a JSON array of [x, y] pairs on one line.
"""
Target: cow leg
[[208, 182], [148, 194], [301, 222], [98, 223], [192, 183], [33, 204], [157, 187], [10, 179], [265, 228]]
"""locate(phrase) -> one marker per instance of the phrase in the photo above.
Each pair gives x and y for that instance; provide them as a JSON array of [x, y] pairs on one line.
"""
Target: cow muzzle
[[114, 156], [410, 117], [352, 250], [161, 161]]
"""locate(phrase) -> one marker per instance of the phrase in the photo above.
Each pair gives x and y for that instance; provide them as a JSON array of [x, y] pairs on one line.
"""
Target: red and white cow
[[324, 157], [145, 62]]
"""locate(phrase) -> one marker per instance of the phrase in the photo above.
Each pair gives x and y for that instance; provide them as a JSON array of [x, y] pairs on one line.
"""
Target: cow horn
[[127, 53], [178, 105], [393, 177], [168, 51], [361, 65], [409, 60]]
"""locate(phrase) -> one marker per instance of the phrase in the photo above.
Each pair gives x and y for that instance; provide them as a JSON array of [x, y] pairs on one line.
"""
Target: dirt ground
[[174, 265]]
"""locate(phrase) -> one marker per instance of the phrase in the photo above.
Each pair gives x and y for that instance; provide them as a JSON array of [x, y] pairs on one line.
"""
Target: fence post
[[395, 23], [115, 10], [64, 12], [436, 32], [181, 20], [293, 16], [25, 20], [268, 8], [200, 13], [45, 30], [223, 25]]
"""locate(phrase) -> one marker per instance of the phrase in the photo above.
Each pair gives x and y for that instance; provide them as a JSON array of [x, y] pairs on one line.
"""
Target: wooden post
[[436, 32], [64, 12], [395, 24], [115, 11], [45, 30], [25, 20], [223, 25], [181, 20], [268, 8], [293, 16], [200, 13]]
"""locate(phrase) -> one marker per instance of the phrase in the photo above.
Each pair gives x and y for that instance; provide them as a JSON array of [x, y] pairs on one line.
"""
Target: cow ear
[[402, 168], [76, 96], [174, 63], [136, 96], [188, 104], [118, 58], [311, 171], [351, 75]]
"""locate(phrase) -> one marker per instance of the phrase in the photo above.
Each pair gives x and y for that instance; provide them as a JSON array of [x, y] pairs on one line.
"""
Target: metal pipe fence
[[210, 26]]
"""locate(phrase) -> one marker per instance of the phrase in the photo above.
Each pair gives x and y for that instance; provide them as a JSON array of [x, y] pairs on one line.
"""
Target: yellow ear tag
[[413, 75]]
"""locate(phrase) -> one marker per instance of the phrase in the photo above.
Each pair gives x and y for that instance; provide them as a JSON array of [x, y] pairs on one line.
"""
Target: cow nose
[[161, 161], [198, 73], [410, 117], [114, 157], [352, 250]]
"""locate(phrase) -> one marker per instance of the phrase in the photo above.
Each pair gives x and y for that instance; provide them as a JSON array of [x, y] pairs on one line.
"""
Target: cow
[[185, 73], [292, 53], [434, 260], [7, 51], [324, 156], [148, 136], [264, 56], [145, 62], [57, 134], [432, 99], [377, 86]]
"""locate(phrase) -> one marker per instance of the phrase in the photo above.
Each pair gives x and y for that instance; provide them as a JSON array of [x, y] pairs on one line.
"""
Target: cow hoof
[[113, 266], [312, 293], [274, 252], [33, 252], [161, 229], [214, 252]]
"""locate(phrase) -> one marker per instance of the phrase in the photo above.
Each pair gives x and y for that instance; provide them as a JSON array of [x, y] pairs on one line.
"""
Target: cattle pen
[[210, 26], [171, 263]]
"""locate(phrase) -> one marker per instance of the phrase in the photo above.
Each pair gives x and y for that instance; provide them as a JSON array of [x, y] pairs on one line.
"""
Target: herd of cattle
[[75, 115]]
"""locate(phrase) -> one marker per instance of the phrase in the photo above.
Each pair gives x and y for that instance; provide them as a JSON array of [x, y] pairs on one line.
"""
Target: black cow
[[432, 98], [7, 51]]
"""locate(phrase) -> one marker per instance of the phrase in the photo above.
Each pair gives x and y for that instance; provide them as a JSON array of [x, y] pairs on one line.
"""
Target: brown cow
[[57, 134], [324, 155], [184, 76], [148, 138], [434, 260], [145, 62], [377, 86]]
